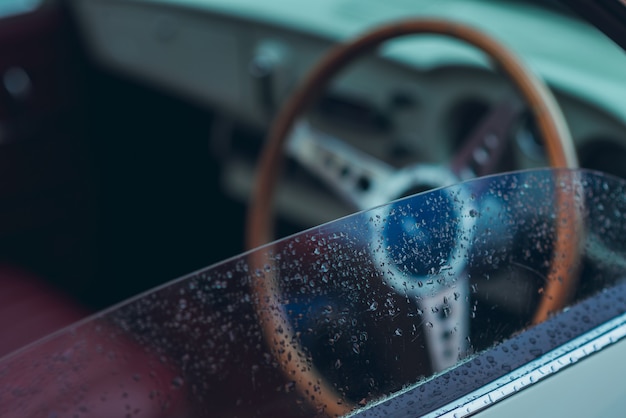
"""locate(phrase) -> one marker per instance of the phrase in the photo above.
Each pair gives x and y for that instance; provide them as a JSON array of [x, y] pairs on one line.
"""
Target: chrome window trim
[[552, 362]]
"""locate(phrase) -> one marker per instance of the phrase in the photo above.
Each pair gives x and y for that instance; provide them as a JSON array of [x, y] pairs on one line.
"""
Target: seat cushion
[[93, 370], [31, 309]]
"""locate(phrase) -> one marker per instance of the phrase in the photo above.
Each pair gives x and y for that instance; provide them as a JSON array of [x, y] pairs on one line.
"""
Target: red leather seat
[[94, 370], [31, 309]]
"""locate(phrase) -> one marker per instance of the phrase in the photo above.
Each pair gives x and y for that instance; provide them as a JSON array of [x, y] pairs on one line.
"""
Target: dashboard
[[414, 101]]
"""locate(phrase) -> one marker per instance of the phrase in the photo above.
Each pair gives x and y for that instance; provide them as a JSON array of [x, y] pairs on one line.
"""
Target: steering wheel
[[539, 101]]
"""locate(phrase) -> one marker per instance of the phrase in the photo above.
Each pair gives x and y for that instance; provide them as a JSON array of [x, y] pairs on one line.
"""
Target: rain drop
[[177, 382]]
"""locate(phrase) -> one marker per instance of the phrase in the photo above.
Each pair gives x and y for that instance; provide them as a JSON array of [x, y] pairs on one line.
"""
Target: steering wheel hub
[[422, 247]]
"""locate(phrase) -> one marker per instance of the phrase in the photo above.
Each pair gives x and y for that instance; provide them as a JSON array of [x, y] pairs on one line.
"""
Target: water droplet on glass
[[177, 382]]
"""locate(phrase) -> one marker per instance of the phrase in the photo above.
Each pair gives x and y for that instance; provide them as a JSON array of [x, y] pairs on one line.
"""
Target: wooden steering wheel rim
[[550, 122]]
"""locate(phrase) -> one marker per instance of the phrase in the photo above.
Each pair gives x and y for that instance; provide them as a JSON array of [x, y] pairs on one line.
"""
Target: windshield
[[348, 313]]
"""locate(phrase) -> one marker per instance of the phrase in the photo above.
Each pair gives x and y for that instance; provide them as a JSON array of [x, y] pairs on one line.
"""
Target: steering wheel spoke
[[447, 324], [355, 176], [485, 146]]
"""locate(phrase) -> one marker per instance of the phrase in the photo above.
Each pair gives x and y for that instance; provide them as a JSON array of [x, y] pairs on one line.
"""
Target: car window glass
[[373, 303]]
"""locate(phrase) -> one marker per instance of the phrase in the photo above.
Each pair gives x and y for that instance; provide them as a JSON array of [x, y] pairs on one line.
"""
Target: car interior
[[133, 135]]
